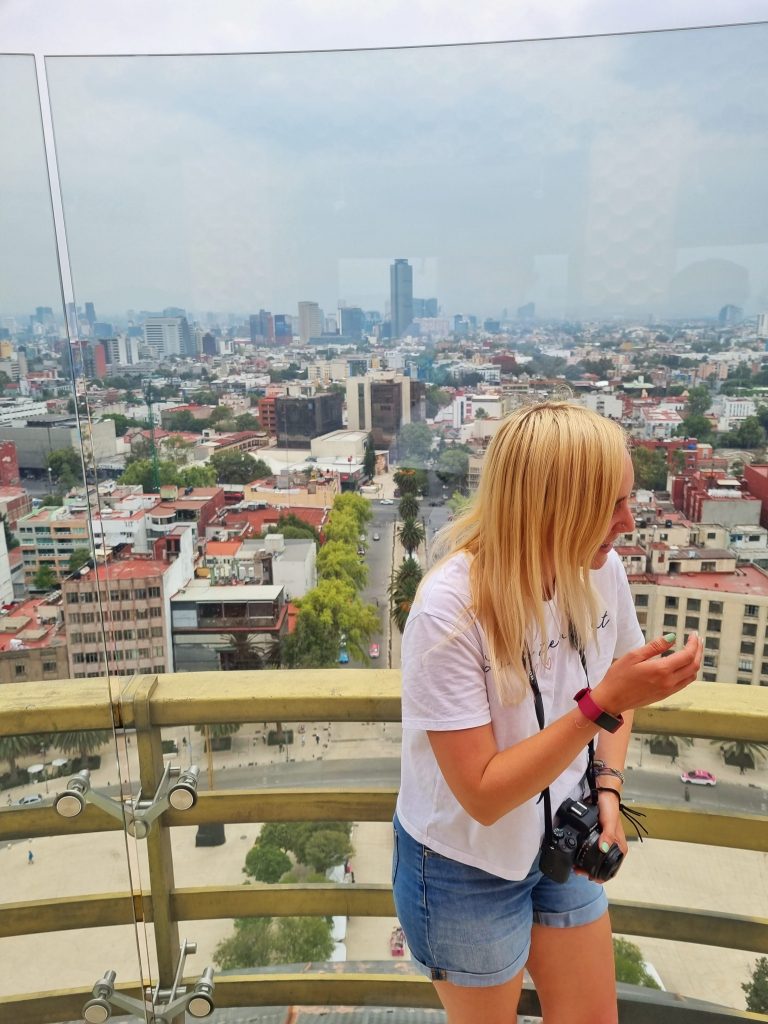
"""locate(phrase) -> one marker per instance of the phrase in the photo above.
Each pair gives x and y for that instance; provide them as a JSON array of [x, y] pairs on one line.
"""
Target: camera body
[[575, 844]]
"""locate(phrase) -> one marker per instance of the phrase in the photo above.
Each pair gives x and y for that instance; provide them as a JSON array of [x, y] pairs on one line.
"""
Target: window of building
[[745, 664], [710, 661], [75, 638], [89, 616], [143, 652], [713, 625], [114, 595], [158, 668], [642, 618], [72, 598], [158, 652], [74, 617], [743, 682], [712, 643], [715, 607], [708, 566], [142, 634], [49, 666], [670, 620], [90, 638], [711, 536], [93, 657], [749, 629], [694, 604], [751, 610], [129, 634], [641, 600], [671, 602], [158, 631], [21, 670], [142, 613], [155, 613], [709, 677], [140, 594], [691, 622], [747, 647], [154, 591]]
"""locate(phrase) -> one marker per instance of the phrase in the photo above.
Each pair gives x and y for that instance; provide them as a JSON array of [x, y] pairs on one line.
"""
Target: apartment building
[[117, 613], [217, 628], [49, 536], [32, 641], [267, 560], [190, 506]]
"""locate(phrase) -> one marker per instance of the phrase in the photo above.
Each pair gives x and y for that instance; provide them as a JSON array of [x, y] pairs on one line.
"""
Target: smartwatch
[[595, 713]]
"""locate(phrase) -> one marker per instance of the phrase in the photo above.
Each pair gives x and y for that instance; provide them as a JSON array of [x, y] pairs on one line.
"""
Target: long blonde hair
[[549, 484]]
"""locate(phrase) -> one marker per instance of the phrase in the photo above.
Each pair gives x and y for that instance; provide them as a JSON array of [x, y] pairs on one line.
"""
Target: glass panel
[[252, 236], [45, 446]]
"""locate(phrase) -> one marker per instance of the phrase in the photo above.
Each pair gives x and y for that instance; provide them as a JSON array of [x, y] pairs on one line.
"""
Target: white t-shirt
[[448, 684]]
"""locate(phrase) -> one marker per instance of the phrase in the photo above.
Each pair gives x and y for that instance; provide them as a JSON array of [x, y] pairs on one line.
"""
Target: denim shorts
[[472, 928]]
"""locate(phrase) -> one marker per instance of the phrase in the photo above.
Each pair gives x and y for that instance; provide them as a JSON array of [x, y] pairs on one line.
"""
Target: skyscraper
[[310, 321], [168, 336], [401, 296]]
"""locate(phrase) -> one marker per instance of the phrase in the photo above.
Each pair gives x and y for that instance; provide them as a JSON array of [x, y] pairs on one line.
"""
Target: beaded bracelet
[[601, 768]]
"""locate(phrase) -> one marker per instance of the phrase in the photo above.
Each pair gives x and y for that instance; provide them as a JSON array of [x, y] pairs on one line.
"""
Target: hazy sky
[[593, 176]]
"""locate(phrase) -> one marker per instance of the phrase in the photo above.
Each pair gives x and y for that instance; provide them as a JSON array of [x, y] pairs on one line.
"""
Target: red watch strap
[[591, 710]]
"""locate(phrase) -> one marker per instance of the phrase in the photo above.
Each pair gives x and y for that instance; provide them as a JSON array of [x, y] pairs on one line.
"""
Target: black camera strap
[[538, 704]]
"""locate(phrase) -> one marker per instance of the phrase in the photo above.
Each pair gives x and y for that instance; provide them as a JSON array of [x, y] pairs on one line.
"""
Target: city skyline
[[224, 183]]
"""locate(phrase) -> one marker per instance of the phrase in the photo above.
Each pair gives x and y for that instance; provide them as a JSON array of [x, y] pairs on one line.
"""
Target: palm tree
[[409, 507], [411, 535], [13, 747], [669, 745], [82, 742], [742, 753], [402, 591]]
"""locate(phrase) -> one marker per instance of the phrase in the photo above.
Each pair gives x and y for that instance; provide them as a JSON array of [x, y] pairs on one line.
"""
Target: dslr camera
[[574, 844]]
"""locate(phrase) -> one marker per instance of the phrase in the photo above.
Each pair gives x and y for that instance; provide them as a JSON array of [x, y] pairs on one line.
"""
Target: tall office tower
[[401, 296], [283, 329], [730, 314], [352, 322], [101, 330], [762, 325], [424, 308], [262, 327], [310, 321], [168, 336], [90, 314], [382, 402], [209, 344]]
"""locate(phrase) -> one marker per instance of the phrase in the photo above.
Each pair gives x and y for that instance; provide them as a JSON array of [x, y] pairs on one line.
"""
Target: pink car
[[698, 777]]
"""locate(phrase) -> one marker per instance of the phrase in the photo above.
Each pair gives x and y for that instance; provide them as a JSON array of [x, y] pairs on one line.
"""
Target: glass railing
[[547, 190]]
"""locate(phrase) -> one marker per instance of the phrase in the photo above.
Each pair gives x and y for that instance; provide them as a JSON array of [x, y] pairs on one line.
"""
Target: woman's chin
[[601, 557]]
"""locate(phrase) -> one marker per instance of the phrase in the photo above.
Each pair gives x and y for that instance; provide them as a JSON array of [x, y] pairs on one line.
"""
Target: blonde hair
[[548, 488]]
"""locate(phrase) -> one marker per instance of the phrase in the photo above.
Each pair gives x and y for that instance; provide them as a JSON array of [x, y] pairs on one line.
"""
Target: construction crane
[[152, 446]]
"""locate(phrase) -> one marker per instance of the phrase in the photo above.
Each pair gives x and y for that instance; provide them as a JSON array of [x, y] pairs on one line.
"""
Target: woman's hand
[[641, 678]]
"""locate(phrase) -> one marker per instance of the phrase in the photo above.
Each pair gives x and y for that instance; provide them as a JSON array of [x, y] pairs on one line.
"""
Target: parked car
[[386, 501], [361, 550], [29, 799], [376, 536], [373, 651], [699, 777]]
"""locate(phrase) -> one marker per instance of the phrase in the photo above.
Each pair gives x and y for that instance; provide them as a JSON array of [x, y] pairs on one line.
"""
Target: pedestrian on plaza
[[528, 608], [30, 857]]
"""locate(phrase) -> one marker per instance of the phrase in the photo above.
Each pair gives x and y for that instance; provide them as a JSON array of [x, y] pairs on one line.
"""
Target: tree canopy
[[756, 989], [650, 469], [66, 467], [338, 560], [414, 444], [327, 611], [630, 967], [236, 467]]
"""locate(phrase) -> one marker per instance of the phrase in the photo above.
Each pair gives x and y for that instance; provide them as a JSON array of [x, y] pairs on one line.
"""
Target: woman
[[530, 595]]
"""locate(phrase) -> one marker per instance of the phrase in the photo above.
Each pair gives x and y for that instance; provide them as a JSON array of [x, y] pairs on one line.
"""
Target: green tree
[[750, 433], [458, 502], [408, 507], [325, 612], [337, 560], [260, 941], [402, 591], [742, 753], [184, 420], [369, 459], [436, 399], [197, 476], [342, 526], [414, 444], [650, 469], [326, 848], [357, 505], [66, 466], [411, 535], [630, 968], [221, 414], [293, 528], [266, 863], [236, 467], [122, 423], [699, 400], [142, 472], [698, 427], [78, 558], [11, 541], [82, 742], [295, 836], [44, 578], [453, 466], [411, 481], [14, 747], [247, 421], [756, 989]]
